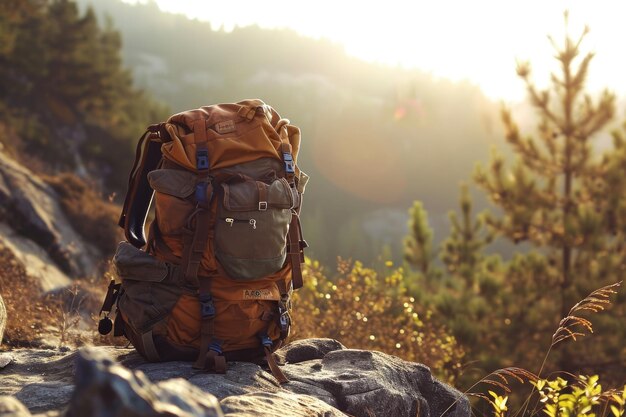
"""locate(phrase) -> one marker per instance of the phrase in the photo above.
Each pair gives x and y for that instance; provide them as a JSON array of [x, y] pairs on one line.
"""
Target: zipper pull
[[253, 223], [230, 220]]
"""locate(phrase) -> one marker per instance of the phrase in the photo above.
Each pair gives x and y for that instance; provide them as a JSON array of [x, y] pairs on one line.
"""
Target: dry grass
[[573, 325], [27, 312], [63, 318]]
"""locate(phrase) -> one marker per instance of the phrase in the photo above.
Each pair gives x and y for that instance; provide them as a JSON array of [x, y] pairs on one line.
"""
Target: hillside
[[375, 138]]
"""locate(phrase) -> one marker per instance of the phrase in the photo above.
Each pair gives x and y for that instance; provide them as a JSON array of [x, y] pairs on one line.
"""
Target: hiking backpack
[[213, 280]]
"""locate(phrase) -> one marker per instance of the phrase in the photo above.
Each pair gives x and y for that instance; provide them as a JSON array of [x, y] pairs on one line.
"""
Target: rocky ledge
[[326, 379]]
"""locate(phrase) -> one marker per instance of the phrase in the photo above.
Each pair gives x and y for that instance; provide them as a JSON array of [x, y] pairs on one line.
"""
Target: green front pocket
[[251, 227], [148, 294]]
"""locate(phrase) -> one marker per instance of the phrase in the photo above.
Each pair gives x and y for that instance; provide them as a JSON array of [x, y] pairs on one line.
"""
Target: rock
[[5, 359], [105, 388], [277, 404], [30, 208], [365, 383], [326, 380], [11, 407], [36, 261], [307, 349], [3, 319]]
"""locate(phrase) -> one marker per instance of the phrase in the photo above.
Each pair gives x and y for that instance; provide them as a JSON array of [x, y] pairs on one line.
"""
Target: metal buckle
[[262, 205]]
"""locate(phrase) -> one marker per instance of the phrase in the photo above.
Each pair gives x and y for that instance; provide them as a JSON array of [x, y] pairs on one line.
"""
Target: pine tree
[[468, 300], [462, 251], [418, 245], [563, 200], [64, 90]]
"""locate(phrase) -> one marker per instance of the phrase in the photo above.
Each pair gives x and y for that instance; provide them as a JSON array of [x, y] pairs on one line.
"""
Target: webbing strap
[[286, 150], [196, 236], [148, 347], [274, 368], [294, 250], [140, 155], [262, 195], [283, 319], [207, 329], [111, 296], [215, 362], [195, 241]]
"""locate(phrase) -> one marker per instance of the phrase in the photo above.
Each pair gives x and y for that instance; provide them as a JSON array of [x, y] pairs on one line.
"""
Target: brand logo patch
[[257, 294], [227, 126]]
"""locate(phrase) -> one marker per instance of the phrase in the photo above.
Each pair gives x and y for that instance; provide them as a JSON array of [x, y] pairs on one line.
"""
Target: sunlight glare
[[478, 41]]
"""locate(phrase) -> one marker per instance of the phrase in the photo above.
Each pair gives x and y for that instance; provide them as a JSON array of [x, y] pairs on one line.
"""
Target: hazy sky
[[478, 40]]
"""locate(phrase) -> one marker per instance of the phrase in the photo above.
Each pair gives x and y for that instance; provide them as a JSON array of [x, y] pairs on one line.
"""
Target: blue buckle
[[289, 165], [207, 308], [266, 341], [201, 192], [202, 159], [216, 346]]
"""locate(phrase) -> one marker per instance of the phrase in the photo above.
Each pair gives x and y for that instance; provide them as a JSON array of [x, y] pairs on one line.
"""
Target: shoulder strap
[[139, 193], [295, 242]]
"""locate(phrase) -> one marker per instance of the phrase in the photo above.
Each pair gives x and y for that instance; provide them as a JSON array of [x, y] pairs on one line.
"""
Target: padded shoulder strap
[[139, 194]]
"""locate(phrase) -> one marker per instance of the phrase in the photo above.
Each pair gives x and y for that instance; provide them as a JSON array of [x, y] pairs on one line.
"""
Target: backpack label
[[258, 294], [227, 126]]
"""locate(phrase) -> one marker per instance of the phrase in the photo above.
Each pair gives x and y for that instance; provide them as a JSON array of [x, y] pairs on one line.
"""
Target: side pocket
[[251, 228], [147, 296]]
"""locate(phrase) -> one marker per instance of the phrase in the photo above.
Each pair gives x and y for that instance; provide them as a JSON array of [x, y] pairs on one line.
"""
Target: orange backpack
[[224, 250]]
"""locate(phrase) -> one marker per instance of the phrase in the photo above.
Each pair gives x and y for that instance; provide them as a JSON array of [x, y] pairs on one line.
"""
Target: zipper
[[232, 221]]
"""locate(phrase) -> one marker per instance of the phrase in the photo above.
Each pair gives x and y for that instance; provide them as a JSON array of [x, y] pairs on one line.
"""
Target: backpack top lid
[[234, 133]]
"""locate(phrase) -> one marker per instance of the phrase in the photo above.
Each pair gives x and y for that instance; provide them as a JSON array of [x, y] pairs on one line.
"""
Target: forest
[[444, 228]]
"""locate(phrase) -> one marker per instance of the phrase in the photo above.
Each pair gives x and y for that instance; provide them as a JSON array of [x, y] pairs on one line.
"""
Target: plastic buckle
[[207, 308], [284, 322], [200, 194], [262, 205], [266, 341], [202, 159], [289, 165], [283, 319], [216, 346]]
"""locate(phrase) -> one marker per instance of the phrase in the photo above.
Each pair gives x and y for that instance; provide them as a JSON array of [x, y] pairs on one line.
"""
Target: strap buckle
[[262, 205], [201, 192], [216, 346], [289, 165], [265, 340], [202, 159], [207, 308], [284, 320]]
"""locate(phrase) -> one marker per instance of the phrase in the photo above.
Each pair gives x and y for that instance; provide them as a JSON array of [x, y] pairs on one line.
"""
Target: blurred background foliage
[[540, 221]]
